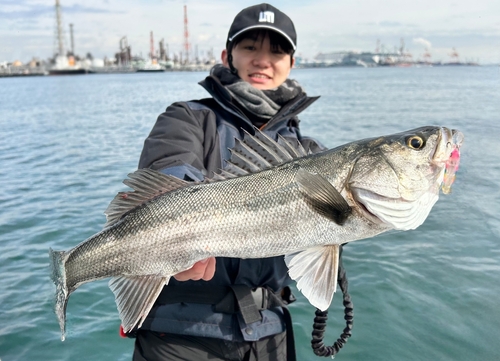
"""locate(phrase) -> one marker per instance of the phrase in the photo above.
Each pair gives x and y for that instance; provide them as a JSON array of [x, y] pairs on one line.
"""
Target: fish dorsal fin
[[269, 149], [315, 270], [246, 158], [135, 296], [233, 169], [226, 174], [147, 184], [322, 196], [218, 177], [293, 146], [258, 152]]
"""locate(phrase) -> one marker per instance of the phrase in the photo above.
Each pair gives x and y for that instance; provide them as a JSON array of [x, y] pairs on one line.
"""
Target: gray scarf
[[262, 103]]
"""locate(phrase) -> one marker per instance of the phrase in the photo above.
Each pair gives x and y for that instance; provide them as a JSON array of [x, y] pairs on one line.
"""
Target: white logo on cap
[[266, 17]]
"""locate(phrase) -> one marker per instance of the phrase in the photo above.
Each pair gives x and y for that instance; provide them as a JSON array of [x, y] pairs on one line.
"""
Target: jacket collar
[[287, 113]]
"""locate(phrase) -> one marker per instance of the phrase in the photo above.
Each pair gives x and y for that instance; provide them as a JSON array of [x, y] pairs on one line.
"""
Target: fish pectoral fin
[[315, 270], [322, 196], [135, 297]]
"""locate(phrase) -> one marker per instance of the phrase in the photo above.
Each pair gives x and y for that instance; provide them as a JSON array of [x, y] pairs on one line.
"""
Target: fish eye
[[415, 142]]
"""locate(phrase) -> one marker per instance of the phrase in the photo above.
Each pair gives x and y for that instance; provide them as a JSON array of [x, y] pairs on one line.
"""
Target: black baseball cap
[[263, 16]]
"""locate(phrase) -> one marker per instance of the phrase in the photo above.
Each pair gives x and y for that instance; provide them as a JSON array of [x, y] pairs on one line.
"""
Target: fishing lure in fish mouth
[[450, 170]]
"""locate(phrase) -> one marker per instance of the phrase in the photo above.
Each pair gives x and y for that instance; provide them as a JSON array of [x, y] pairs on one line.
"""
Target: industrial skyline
[[27, 27]]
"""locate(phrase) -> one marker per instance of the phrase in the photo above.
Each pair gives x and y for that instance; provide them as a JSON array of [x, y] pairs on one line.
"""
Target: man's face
[[258, 64]]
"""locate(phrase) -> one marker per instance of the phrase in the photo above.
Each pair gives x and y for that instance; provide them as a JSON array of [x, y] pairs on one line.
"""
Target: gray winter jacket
[[190, 140]]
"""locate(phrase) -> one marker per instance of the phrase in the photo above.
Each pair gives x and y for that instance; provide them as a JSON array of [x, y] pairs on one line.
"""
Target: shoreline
[[15, 72]]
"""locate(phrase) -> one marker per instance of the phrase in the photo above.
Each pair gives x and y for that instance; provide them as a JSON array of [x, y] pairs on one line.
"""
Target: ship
[[65, 65], [150, 67]]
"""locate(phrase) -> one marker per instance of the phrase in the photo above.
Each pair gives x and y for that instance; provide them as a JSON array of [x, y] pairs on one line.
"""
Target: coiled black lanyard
[[319, 325]]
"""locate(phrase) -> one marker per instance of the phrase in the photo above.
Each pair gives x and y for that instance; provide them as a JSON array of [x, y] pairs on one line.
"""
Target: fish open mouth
[[447, 156], [450, 140]]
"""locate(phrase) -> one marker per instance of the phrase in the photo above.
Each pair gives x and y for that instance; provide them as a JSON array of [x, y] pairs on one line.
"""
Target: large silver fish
[[272, 199]]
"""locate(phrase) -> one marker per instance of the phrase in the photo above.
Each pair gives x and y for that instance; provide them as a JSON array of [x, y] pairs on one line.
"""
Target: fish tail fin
[[58, 275]]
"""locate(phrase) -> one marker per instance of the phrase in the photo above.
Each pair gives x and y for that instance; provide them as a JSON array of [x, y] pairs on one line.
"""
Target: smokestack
[[151, 46], [72, 43], [186, 35], [59, 29]]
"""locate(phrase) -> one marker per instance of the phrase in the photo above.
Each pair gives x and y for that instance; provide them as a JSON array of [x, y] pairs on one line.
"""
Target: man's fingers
[[204, 269], [209, 270]]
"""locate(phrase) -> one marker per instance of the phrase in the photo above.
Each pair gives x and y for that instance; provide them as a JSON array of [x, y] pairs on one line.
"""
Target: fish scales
[[258, 199], [300, 209]]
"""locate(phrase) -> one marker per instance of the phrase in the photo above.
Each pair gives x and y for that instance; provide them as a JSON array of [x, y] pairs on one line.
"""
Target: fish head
[[396, 179]]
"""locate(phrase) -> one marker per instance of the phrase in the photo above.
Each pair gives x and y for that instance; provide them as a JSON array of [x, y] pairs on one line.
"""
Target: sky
[[471, 27]]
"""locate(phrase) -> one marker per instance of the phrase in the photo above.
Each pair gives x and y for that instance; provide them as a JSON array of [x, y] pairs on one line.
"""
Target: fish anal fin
[[322, 196], [315, 270], [135, 296]]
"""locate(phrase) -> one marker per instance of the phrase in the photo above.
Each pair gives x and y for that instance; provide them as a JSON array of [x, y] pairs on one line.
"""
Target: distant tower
[[427, 56], [454, 55], [162, 55], [59, 30], [151, 46], [402, 47], [72, 42], [124, 57], [186, 36], [163, 51]]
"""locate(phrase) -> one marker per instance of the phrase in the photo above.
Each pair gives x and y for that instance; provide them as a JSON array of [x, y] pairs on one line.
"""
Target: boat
[[151, 67], [68, 66]]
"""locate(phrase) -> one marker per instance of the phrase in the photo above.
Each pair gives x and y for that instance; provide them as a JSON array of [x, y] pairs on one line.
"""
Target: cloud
[[24, 10], [421, 41], [85, 9], [388, 23], [28, 13]]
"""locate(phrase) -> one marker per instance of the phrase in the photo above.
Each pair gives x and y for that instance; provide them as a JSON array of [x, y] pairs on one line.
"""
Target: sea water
[[66, 144]]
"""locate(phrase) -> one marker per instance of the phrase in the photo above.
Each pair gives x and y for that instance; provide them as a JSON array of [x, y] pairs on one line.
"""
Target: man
[[238, 309]]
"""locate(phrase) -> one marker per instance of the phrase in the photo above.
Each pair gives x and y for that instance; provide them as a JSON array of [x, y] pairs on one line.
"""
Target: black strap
[[275, 300], [290, 340], [246, 303]]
